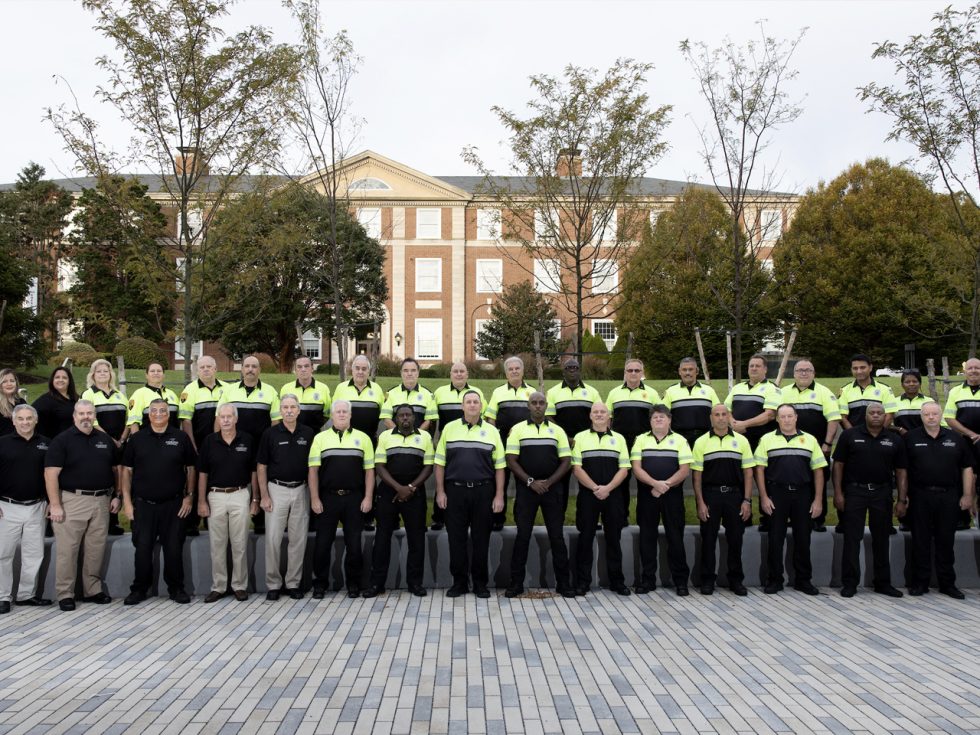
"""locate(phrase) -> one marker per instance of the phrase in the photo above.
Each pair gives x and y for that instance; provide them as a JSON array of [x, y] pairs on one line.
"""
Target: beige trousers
[[291, 513], [21, 525], [228, 522], [86, 523]]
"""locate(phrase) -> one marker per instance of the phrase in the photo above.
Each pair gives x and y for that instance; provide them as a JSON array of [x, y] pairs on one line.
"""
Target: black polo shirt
[[54, 414], [286, 453], [870, 459], [22, 466], [937, 461], [86, 460], [159, 462], [7, 422], [227, 465]]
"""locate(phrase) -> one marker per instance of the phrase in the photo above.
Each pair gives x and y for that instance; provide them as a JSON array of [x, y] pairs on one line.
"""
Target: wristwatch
[[529, 481]]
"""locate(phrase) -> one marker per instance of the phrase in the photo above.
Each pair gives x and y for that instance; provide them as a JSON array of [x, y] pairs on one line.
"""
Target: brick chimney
[[186, 161], [569, 160]]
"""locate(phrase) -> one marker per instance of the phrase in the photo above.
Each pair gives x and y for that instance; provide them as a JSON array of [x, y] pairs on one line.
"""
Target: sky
[[432, 70]]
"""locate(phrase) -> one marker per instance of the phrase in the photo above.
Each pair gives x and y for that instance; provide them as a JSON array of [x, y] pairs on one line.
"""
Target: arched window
[[368, 184]]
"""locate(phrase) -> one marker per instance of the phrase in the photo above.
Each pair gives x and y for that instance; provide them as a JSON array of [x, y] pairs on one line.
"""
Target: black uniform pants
[[588, 509], [649, 512], [412, 512], [158, 522], [873, 502], [722, 507], [526, 504], [469, 516], [344, 509], [791, 507], [934, 513], [499, 518], [438, 514]]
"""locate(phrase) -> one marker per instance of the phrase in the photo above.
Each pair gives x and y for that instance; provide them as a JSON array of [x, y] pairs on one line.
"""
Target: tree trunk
[[188, 312]]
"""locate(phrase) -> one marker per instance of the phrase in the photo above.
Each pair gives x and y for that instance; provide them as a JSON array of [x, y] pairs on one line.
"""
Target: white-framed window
[[180, 349], [368, 184], [607, 232], [428, 275], [311, 344], [547, 275], [771, 224], [605, 276], [370, 219], [654, 216], [195, 222], [605, 329], [67, 274], [488, 224], [478, 326], [766, 265], [489, 276], [558, 327], [428, 223], [428, 339], [30, 300], [546, 224]]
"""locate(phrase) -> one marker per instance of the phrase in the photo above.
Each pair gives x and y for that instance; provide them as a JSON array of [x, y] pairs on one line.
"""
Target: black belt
[[341, 491], [935, 488], [22, 502], [794, 487], [480, 483], [288, 483], [872, 486], [94, 493], [227, 489], [724, 488], [160, 502]]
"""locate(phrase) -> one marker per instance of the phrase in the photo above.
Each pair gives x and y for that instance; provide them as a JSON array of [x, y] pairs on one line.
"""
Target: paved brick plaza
[[403, 664]]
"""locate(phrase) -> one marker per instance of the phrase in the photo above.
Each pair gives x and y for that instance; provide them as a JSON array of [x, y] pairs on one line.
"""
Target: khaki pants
[[229, 523], [290, 512], [21, 525], [86, 520]]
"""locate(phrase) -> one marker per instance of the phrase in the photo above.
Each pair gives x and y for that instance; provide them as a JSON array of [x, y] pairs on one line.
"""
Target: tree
[[116, 247], [579, 155], [517, 314], [868, 265], [33, 218], [679, 279], [21, 340], [204, 108], [935, 106], [745, 90], [276, 246]]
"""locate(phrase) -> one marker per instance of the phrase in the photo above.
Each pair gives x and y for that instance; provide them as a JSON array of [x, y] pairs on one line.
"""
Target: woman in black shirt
[[55, 408]]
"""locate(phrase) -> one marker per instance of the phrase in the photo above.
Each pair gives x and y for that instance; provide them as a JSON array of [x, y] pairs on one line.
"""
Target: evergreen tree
[[517, 315]]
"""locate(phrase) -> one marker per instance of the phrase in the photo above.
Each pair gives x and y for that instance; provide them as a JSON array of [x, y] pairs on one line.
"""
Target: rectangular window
[[771, 224], [67, 274], [478, 326], [547, 275], [654, 216], [180, 349], [428, 339], [605, 276], [546, 224], [428, 223], [370, 219], [488, 224], [30, 301], [311, 345], [605, 329], [489, 276], [428, 275], [607, 232]]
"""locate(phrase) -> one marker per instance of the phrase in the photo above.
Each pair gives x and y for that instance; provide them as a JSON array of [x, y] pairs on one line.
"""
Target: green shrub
[[324, 369], [617, 360], [595, 368], [81, 354], [388, 367], [439, 370], [593, 344], [139, 352]]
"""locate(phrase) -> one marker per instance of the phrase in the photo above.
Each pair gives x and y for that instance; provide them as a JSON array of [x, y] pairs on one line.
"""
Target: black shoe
[[4, 607], [295, 594], [963, 526], [848, 591], [888, 591], [180, 597], [498, 526], [241, 595], [272, 595], [67, 604], [773, 587], [807, 588], [134, 598], [598, 527], [373, 591], [581, 591], [116, 531], [567, 592], [195, 531], [641, 589], [738, 588], [353, 593], [213, 596], [514, 592], [33, 602], [903, 527], [917, 590], [892, 530], [100, 599], [708, 588], [819, 528], [457, 590], [620, 589], [682, 590], [417, 590], [259, 531], [482, 592], [367, 527], [319, 592], [437, 526], [952, 591], [839, 528]]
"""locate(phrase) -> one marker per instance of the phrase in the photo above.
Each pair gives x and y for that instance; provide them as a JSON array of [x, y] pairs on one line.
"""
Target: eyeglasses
[[633, 370]]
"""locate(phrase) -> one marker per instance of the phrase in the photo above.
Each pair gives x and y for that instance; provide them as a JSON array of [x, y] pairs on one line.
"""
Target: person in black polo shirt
[[403, 462], [22, 508], [539, 456], [507, 406], [470, 488], [80, 478], [282, 472], [158, 491], [226, 474], [940, 485], [868, 462]]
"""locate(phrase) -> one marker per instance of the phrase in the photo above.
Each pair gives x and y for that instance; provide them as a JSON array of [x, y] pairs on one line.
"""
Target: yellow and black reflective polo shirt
[[601, 455], [539, 447], [630, 409], [508, 405], [909, 413], [419, 398], [314, 402], [257, 407], [449, 402], [198, 404], [789, 460], [343, 457], [816, 406], [139, 405], [111, 410], [690, 406], [471, 453], [661, 458], [963, 404], [722, 459], [404, 455], [747, 401], [570, 405], [365, 404], [854, 400]]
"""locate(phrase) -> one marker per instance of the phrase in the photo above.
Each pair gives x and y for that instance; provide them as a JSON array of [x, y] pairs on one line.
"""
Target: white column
[[397, 282], [458, 323]]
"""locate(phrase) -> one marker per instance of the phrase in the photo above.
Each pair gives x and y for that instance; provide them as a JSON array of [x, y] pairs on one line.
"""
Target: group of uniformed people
[[231, 452]]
